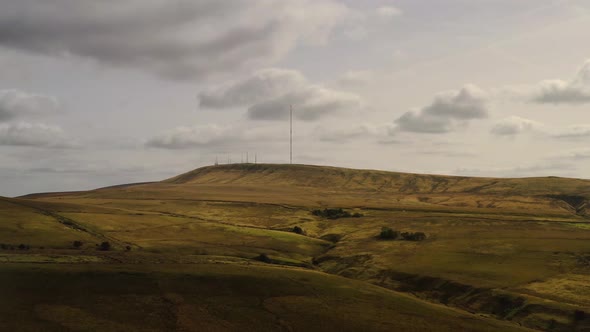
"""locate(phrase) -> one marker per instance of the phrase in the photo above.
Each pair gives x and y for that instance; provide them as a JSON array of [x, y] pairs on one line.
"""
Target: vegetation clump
[[21, 246], [335, 213], [77, 244], [104, 246], [410, 236], [299, 230], [264, 258], [389, 234]]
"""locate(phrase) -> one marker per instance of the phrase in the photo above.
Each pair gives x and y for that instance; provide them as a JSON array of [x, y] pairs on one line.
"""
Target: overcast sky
[[96, 93]]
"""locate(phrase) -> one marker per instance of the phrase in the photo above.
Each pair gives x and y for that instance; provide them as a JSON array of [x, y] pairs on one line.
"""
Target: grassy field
[[516, 250]]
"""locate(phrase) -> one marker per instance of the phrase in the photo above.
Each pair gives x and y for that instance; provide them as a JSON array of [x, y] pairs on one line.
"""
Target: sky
[[98, 93]]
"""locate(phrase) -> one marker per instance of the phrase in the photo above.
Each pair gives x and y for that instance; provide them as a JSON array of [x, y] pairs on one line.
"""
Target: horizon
[[449, 88]]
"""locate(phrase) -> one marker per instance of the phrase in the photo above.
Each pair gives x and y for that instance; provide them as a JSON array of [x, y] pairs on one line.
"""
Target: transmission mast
[[291, 134]]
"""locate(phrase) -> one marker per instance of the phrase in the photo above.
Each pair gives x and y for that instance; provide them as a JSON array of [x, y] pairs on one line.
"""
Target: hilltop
[[507, 249]]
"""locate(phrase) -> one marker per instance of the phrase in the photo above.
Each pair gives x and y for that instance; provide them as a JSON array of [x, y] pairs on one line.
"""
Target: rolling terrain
[[215, 249]]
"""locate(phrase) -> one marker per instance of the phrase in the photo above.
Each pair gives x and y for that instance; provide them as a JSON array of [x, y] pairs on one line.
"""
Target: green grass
[[212, 297], [499, 234]]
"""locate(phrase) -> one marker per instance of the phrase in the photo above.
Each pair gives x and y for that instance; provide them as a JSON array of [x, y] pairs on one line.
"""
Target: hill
[[509, 249]]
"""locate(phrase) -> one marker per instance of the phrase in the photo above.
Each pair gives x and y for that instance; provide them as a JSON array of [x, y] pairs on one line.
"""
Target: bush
[[105, 246], [23, 247], [298, 230], [579, 315], [332, 213], [409, 236], [264, 258], [388, 234], [128, 248], [77, 244], [357, 215], [3, 246]]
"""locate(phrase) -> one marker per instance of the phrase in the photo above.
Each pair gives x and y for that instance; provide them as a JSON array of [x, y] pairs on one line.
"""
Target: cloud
[[310, 103], [349, 133], [514, 125], [388, 12], [574, 132], [214, 136], [185, 137], [179, 39], [574, 154], [575, 91], [269, 93], [16, 103], [355, 78], [33, 134], [448, 110], [261, 85]]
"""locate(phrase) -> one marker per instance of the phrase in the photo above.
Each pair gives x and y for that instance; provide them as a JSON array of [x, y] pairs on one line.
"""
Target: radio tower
[[291, 134]]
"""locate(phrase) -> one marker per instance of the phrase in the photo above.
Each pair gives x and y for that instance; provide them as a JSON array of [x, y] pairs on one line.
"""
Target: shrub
[[104, 246], [264, 258], [579, 315], [298, 230], [23, 247], [332, 213], [409, 236], [77, 244], [3, 246], [357, 215], [128, 248], [388, 234]]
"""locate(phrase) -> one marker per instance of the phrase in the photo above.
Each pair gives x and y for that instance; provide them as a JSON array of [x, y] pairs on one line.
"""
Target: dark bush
[[388, 234], [23, 247], [298, 230], [264, 258], [357, 215], [128, 248], [332, 213], [77, 244], [579, 315], [104, 246], [417, 236], [3, 246]]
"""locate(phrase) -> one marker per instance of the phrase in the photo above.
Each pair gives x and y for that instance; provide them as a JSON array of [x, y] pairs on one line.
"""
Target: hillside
[[508, 249]]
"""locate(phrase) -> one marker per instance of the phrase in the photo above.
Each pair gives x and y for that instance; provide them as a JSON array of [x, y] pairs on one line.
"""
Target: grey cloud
[[34, 135], [213, 136], [514, 125], [264, 84], [446, 111], [269, 93], [178, 39], [310, 104], [576, 91], [16, 103], [345, 134], [191, 136]]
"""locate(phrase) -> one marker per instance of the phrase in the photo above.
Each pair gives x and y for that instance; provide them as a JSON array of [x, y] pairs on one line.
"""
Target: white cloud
[[269, 93], [348, 133], [574, 132], [192, 136], [34, 134], [447, 111], [575, 91], [177, 39], [16, 103], [515, 125], [388, 12]]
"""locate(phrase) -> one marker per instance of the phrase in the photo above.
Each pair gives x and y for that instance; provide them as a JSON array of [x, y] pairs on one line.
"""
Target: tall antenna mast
[[291, 134]]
